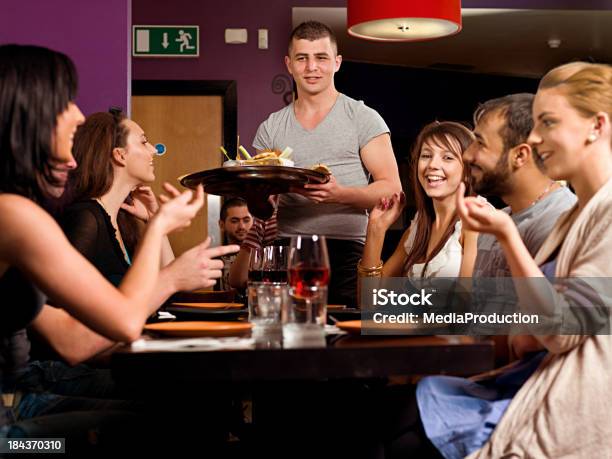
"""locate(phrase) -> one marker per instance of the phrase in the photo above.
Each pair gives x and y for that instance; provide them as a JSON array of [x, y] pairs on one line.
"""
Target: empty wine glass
[[267, 276]]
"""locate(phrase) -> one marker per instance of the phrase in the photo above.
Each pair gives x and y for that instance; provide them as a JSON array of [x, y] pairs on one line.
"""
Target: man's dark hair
[[516, 111], [228, 204], [311, 31]]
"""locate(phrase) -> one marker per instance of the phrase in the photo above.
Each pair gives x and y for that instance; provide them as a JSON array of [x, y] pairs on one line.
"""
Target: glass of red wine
[[309, 277], [269, 264], [255, 265], [274, 264]]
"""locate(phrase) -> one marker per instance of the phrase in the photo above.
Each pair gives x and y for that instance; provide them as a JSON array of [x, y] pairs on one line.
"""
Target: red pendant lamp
[[403, 20]]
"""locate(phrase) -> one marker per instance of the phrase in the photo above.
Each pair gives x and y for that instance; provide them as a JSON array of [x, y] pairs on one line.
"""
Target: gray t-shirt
[[336, 142], [534, 225]]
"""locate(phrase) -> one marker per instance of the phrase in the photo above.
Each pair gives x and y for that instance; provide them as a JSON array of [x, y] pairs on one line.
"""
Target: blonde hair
[[587, 87]]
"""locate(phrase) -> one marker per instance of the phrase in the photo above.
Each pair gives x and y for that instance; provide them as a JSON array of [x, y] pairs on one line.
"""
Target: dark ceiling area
[[493, 41]]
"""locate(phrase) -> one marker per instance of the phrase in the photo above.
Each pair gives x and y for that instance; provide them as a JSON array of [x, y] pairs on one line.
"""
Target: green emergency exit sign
[[165, 41]]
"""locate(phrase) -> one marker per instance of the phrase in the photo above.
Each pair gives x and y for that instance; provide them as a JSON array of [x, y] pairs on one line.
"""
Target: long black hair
[[36, 85]]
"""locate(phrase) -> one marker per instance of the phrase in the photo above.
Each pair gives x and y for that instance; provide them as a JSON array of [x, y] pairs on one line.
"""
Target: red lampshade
[[403, 20]]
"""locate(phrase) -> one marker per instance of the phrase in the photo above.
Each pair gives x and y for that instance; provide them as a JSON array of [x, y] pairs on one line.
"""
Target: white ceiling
[[498, 41]]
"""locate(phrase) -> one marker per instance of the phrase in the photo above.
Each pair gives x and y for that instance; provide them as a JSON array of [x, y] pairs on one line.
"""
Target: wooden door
[[191, 128]]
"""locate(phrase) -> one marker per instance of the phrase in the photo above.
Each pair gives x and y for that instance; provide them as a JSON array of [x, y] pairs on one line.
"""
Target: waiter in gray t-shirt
[[351, 139]]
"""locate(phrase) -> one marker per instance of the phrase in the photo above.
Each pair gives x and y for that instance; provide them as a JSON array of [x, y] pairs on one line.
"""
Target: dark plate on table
[[184, 313], [253, 183]]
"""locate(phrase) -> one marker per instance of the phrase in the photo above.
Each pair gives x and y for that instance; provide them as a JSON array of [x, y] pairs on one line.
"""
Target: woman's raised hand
[[177, 211], [387, 211], [143, 203], [478, 215], [198, 266], [173, 192]]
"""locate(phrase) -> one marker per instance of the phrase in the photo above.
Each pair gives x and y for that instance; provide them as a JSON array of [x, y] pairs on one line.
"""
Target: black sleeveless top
[[89, 229], [20, 303]]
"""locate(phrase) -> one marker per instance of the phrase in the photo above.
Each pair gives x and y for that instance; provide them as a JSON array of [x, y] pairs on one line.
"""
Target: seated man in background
[[262, 233], [235, 221]]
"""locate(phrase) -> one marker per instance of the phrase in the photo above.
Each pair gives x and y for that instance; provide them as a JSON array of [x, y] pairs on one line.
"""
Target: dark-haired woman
[[434, 245], [115, 161], [38, 119]]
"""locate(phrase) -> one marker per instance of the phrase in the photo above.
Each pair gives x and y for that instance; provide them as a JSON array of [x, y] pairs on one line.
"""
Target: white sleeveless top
[[446, 263]]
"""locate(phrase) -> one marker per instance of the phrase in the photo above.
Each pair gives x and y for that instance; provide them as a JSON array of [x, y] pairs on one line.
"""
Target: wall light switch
[[236, 36], [262, 39]]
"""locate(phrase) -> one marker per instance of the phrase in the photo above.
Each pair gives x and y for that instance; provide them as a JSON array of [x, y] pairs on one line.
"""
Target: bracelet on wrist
[[372, 271]]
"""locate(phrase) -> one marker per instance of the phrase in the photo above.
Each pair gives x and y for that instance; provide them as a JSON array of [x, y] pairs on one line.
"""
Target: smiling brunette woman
[[435, 244]]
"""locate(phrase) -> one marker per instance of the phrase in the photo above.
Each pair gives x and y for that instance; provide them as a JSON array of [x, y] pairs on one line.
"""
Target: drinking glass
[[267, 272], [274, 264], [255, 265], [309, 278], [254, 280]]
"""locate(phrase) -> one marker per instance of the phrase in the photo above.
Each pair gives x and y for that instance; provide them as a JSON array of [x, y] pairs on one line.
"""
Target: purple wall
[[253, 69], [94, 34]]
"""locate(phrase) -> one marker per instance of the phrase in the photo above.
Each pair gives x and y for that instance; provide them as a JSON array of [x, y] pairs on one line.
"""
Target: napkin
[[193, 344], [333, 330]]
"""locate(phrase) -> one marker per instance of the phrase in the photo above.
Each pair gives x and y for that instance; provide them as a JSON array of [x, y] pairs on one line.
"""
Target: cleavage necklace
[[118, 237]]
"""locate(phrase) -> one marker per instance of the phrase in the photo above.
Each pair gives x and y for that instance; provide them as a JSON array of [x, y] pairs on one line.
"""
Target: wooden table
[[300, 400], [345, 357]]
